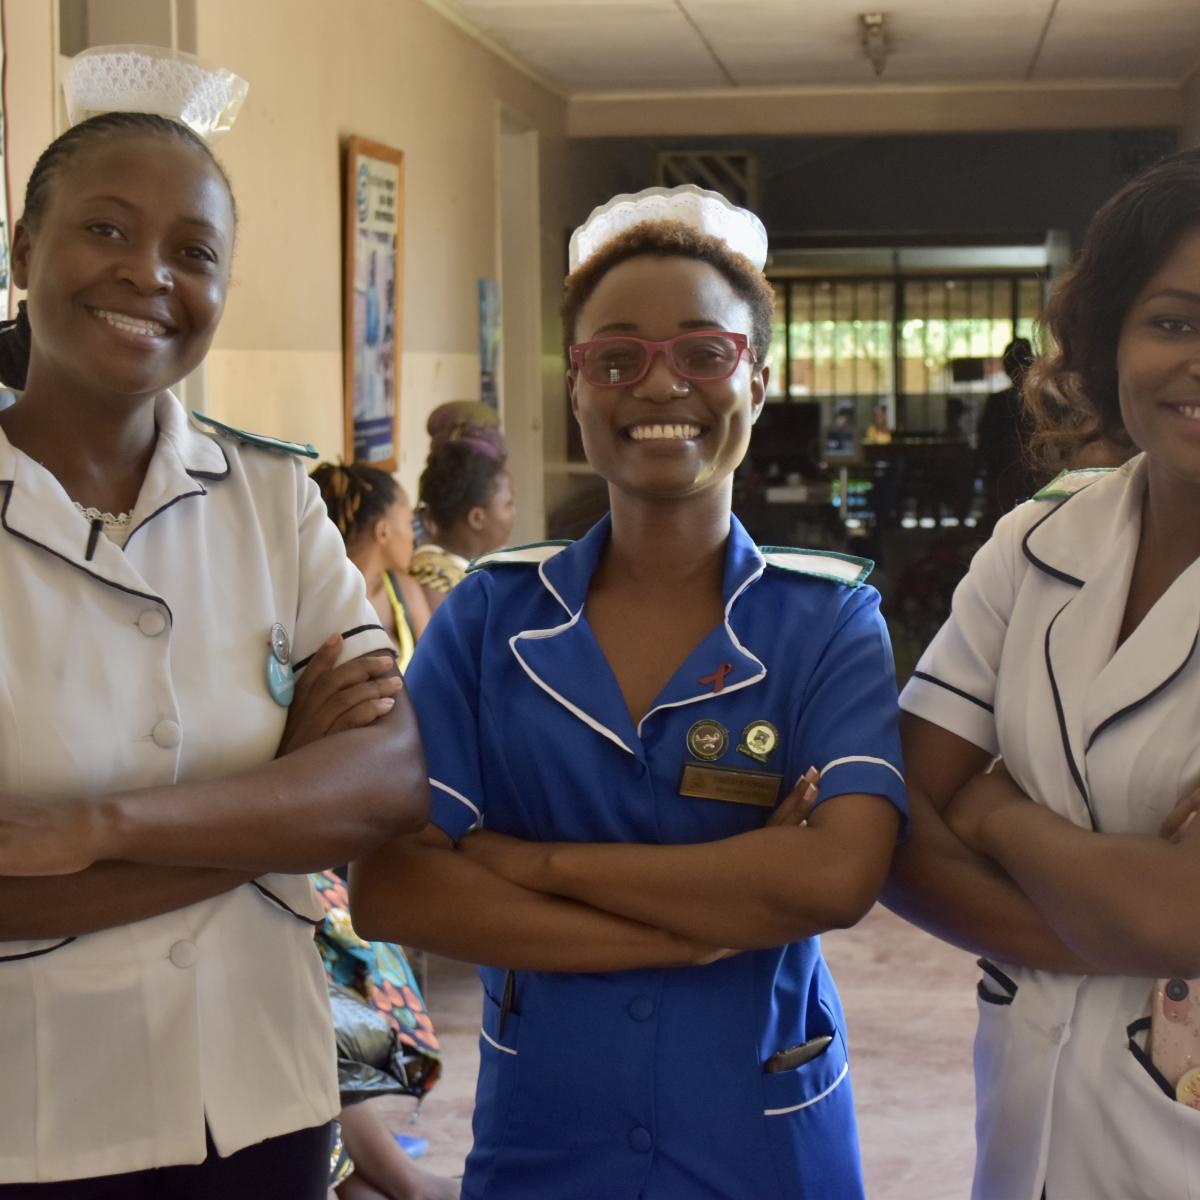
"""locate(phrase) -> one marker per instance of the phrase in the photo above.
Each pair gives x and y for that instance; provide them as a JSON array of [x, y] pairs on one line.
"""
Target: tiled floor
[[910, 1007]]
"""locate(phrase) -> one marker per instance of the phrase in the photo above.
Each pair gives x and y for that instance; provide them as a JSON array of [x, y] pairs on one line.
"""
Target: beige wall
[[396, 72], [1190, 133], [29, 55]]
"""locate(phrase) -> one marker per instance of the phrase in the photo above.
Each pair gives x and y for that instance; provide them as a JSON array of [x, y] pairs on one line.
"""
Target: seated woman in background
[[374, 517], [465, 498], [634, 716]]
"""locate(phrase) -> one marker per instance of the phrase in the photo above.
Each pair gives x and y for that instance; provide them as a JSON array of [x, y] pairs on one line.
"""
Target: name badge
[[759, 788]]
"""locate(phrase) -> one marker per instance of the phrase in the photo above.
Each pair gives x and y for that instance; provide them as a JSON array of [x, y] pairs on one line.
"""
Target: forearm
[[1122, 901], [965, 899], [327, 803], [105, 895], [764, 888], [437, 899]]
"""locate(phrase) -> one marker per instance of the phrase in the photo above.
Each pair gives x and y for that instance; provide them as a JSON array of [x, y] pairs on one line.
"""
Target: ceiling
[[606, 46]]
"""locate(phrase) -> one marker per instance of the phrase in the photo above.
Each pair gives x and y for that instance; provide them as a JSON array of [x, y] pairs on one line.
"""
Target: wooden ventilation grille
[[733, 173]]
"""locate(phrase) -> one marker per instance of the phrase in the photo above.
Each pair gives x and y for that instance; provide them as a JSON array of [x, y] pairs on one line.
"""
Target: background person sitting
[[375, 519]]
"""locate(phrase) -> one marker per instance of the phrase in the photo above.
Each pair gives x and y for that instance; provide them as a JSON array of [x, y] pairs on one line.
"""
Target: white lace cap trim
[[709, 212], [151, 79]]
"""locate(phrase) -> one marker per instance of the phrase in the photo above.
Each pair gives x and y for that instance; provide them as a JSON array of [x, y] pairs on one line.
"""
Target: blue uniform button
[[641, 1008], [640, 1140]]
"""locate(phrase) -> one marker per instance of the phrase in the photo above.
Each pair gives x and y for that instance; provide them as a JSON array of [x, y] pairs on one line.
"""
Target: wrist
[[109, 827]]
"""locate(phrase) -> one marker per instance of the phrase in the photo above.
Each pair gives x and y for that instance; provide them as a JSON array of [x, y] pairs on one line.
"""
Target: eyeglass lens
[[694, 356]]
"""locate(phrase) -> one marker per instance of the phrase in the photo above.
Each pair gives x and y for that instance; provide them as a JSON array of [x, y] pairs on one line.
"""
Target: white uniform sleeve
[[332, 595], [954, 684]]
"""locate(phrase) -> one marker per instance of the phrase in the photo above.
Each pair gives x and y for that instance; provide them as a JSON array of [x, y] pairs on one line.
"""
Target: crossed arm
[[566, 906], [991, 872], [82, 864]]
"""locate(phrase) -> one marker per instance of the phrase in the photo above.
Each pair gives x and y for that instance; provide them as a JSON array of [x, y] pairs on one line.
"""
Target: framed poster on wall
[[373, 278]]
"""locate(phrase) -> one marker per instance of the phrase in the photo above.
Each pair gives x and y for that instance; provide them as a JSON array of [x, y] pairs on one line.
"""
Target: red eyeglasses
[[703, 356]]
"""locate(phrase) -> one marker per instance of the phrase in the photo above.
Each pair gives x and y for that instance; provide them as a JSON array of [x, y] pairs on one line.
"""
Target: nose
[[146, 270], [661, 379]]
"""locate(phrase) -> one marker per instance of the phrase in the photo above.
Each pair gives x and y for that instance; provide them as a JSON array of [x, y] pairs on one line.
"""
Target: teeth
[[131, 324], [1190, 410], [646, 433]]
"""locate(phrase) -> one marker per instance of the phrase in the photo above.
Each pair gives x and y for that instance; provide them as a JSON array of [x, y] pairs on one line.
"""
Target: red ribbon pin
[[717, 678]]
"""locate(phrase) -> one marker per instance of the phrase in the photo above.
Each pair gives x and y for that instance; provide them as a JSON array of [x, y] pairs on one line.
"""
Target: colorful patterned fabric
[[437, 569], [380, 973]]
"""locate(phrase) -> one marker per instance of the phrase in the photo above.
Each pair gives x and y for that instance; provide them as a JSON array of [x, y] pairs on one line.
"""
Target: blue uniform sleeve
[[848, 724], [443, 684]]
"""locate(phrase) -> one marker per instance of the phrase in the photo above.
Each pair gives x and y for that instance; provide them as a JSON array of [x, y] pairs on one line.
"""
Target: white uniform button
[[152, 622], [166, 734], [184, 954]]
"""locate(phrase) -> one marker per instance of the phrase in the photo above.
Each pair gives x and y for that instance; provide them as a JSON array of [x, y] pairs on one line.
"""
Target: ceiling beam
[[1090, 104]]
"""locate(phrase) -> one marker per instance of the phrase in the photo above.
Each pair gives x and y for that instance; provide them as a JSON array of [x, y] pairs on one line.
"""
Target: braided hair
[[16, 336], [356, 496], [457, 478]]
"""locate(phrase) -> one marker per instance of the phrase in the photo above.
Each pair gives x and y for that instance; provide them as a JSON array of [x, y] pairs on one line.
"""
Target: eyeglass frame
[[654, 348]]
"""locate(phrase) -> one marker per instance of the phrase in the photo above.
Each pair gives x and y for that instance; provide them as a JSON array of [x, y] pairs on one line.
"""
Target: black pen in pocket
[[506, 1001], [795, 1056]]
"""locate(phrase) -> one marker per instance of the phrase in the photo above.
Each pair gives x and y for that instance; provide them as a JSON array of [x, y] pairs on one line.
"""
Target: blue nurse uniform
[[649, 1084]]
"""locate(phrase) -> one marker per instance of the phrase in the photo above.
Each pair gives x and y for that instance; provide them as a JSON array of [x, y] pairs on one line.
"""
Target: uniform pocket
[[35, 948], [809, 1115], [292, 894], [499, 1049], [994, 987]]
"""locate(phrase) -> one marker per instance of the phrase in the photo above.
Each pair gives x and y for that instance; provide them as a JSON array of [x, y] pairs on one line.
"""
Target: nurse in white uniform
[[164, 1026], [1072, 654]]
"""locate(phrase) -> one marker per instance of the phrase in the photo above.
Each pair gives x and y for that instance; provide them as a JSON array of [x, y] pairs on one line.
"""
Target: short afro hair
[[673, 239]]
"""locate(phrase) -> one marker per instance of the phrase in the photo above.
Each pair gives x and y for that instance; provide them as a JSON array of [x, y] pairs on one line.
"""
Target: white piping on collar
[[554, 592], [534, 634], [762, 673]]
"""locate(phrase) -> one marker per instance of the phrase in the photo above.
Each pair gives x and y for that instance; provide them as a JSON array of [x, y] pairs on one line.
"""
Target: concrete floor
[[910, 1008]]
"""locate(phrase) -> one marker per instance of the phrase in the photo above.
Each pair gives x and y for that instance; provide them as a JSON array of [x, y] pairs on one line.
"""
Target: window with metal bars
[[907, 342]]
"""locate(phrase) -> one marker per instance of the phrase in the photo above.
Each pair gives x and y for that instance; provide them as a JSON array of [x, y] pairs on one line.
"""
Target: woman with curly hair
[[1071, 654]]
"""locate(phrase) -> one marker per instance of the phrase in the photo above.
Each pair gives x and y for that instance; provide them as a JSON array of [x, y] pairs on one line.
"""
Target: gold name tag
[[724, 783]]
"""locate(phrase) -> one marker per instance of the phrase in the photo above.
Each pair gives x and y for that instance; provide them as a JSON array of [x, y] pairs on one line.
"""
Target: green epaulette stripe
[[531, 554], [263, 440], [821, 564], [1067, 483]]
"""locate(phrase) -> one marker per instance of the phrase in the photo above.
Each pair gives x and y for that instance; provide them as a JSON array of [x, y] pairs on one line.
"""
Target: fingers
[[1180, 816], [798, 803], [328, 680], [318, 666], [358, 704]]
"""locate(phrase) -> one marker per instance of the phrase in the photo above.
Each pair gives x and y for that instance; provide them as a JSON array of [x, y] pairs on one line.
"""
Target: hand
[[1181, 824], [49, 837], [329, 699], [511, 858], [978, 800], [799, 802]]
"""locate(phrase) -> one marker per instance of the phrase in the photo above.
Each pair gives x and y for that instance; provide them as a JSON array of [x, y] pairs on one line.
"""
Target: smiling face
[[127, 267], [664, 436], [1158, 364]]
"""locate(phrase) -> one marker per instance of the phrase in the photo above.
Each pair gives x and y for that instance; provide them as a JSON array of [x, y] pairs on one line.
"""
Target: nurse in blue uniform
[[620, 736]]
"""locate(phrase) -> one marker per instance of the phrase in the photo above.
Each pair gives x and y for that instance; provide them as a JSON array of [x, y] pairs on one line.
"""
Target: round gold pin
[[1187, 1090], [707, 740], [759, 740]]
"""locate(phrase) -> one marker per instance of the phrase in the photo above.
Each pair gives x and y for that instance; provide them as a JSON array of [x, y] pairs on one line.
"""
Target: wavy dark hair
[[356, 496], [1070, 392], [673, 239], [16, 337], [457, 478]]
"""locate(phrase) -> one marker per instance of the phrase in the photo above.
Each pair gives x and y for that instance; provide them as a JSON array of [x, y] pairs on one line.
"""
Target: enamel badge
[[707, 740], [759, 740], [281, 679]]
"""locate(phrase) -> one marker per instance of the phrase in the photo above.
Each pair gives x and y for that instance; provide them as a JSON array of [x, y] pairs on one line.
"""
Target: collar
[[1063, 542], [36, 508], [566, 662]]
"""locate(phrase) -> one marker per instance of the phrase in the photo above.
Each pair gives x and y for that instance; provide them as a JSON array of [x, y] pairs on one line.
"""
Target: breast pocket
[[809, 1115]]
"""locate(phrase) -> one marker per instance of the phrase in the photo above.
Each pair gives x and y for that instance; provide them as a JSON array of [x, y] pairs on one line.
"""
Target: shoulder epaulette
[[265, 441], [1067, 483], [821, 564], [531, 555]]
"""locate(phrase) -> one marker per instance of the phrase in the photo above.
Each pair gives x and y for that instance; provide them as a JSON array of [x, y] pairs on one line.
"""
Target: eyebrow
[[121, 202], [632, 327], [1174, 294]]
